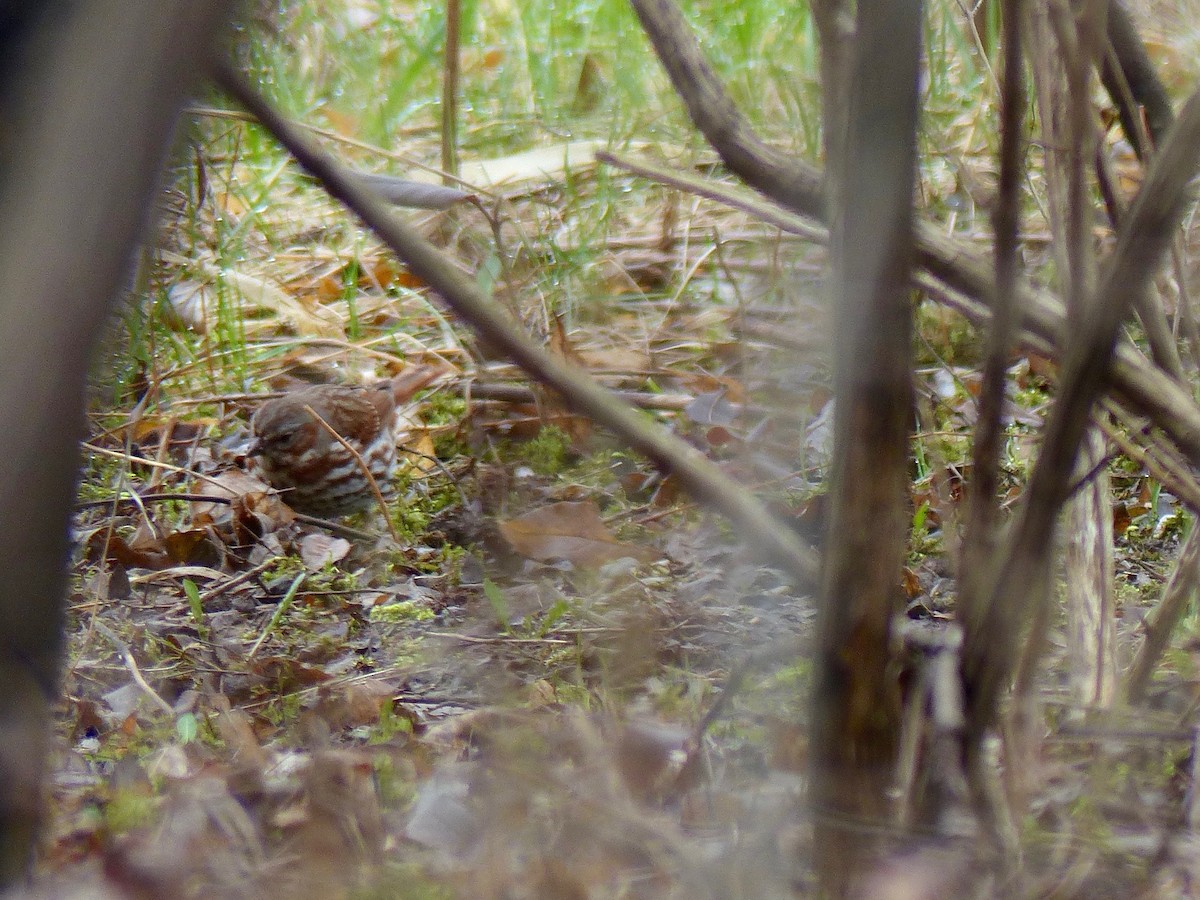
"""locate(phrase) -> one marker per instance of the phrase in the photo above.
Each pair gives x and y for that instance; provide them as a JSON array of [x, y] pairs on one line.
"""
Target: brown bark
[[856, 715], [1130, 79], [1090, 601]]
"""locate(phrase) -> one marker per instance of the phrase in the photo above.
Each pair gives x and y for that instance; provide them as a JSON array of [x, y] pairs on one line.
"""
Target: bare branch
[[703, 480]]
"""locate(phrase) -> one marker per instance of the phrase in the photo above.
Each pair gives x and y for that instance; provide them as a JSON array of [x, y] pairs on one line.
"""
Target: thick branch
[[856, 716], [960, 278], [984, 507], [797, 185], [89, 106]]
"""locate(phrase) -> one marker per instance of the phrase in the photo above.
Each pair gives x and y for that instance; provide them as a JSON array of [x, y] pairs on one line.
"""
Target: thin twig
[[132, 666], [363, 467]]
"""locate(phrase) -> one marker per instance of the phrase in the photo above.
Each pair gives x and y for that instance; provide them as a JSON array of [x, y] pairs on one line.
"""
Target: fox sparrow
[[314, 471]]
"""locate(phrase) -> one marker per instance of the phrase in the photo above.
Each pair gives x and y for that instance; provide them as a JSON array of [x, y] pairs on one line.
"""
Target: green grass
[[379, 83]]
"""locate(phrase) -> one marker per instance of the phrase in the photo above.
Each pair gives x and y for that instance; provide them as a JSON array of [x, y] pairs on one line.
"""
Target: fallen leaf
[[711, 409], [616, 359], [568, 531], [143, 555], [417, 455], [317, 321], [341, 121], [697, 383], [230, 484], [195, 303], [196, 546], [552, 406], [231, 204]]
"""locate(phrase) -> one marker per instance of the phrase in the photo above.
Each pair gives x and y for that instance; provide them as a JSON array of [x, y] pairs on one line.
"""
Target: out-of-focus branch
[[701, 478], [958, 277], [90, 97], [761, 166], [1019, 583]]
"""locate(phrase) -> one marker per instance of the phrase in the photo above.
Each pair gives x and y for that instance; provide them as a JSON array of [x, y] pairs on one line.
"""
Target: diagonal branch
[[700, 477], [761, 166], [956, 276]]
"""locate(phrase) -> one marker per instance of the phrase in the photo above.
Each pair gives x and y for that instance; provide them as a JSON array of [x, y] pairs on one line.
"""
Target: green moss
[[411, 520], [402, 611], [331, 579], [573, 694], [444, 409], [548, 453], [422, 500], [396, 787], [283, 567], [403, 882], [127, 810], [389, 726], [282, 709]]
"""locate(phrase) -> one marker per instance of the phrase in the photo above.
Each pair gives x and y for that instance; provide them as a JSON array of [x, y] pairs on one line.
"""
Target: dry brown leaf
[[705, 383], [137, 554], [150, 430], [231, 204], [195, 546], [378, 271], [314, 320], [353, 704], [341, 121], [230, 485], [568, 531], [195, 303], [407, 279], [417, 455], [552, 407], [329, 287]]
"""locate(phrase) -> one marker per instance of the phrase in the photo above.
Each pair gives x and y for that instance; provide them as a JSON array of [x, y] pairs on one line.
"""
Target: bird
[[314, 471]]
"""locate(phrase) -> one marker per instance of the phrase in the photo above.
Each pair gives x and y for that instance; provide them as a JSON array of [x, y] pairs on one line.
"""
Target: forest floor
[[552, 674]]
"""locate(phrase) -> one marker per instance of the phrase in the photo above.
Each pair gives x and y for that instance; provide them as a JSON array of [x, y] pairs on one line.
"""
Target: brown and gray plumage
[[313, 471]]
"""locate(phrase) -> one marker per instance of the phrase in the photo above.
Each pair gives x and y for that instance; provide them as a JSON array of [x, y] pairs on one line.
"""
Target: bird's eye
[[287, 438], [277, 440]]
